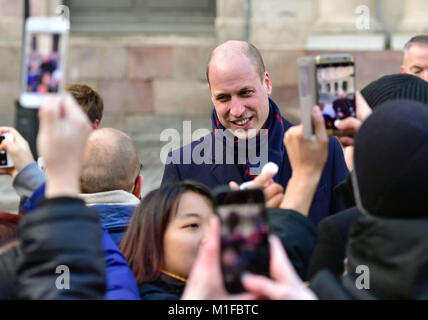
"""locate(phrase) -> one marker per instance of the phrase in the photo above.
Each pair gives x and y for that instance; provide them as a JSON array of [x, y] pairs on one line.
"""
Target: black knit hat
[[391, 160], [395, 86]]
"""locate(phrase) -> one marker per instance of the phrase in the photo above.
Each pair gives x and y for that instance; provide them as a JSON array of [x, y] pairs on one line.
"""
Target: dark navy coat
[[214, 174]]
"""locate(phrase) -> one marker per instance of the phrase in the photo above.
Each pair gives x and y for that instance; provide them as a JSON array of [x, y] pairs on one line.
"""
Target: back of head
[[391, 160], [88, 99], [395, 86], [110, 162]]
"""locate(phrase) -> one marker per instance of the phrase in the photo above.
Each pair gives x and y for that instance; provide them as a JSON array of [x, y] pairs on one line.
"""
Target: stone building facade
[[142, 68]]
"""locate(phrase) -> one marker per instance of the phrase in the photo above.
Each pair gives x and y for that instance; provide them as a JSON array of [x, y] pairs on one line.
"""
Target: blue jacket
[[121, 282], [212, 175], [115, 219]]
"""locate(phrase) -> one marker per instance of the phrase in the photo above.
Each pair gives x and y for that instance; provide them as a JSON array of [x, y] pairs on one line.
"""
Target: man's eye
[[246, 93], [417, 71], [222, 98]]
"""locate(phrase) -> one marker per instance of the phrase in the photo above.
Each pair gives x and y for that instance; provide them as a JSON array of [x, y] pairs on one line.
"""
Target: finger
[[4, 130], [280, 267], [272, 190], [363, 109], [319, 124], [208, 257], [243, 296], [262, 179], [233, 185], [346, 141], [6, 145], [16, 135], [275, 201], [350, 125], [49, 113], [260, 285], [72, 109]]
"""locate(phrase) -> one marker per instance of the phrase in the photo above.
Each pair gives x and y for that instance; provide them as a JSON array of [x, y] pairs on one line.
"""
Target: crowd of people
[[44, 73], [335, 205]]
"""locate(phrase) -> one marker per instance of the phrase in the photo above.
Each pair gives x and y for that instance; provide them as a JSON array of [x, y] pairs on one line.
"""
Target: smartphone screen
[[244, 236], [336, 89], [43, 62], [44, 69]]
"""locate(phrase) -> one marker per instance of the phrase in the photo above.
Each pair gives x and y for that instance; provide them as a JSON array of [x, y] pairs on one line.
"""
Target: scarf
[[255, 147]]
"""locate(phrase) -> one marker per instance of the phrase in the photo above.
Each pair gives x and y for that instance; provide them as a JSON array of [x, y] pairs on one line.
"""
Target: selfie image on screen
[[336, 93], [44, 71], [244, 242]]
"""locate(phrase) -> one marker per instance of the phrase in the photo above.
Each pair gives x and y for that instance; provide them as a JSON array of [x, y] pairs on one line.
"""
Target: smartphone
[[335, 74], [244, 234], [307, 92], [43, 59], [329, 82], [5, 159]]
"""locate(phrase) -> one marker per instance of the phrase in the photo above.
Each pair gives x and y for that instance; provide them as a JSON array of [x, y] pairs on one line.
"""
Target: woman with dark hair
[[163, 238]]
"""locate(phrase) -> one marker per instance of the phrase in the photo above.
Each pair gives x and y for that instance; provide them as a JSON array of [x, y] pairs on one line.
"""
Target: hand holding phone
[[43, 63], [17, 149], [329, 82], [244, 235], [5, 158]]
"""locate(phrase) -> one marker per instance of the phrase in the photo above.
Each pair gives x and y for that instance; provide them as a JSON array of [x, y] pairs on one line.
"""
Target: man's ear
[[138, 186], [96, 124], [267, 83], [402, 69]]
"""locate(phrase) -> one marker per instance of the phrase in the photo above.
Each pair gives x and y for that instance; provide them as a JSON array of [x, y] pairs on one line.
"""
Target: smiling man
[[415, 60], [244, 115]]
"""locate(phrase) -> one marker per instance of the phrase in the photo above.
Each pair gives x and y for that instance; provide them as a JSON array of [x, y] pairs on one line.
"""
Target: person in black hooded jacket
[[60, 253], [388, 248], [333, 231]]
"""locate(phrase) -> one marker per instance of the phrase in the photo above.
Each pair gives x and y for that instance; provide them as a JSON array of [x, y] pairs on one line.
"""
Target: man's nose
[[236, 108]]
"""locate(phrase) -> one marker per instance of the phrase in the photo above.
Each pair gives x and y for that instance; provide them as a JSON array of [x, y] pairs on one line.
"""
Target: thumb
[[6, 145], [233, 185], [363, 109], [262, 179], [319, 124]]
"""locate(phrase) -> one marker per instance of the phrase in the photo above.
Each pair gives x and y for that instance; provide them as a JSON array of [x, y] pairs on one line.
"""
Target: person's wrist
[[299, 193], [306, 176], [62, 182], [62, 188]]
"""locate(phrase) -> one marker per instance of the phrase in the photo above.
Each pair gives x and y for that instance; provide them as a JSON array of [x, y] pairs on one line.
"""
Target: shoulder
[[183, 154], [160, 290], [340, 223]]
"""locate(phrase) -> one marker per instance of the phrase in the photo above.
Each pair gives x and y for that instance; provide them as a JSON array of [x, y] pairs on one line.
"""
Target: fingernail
[[245, 275], [337, 123]]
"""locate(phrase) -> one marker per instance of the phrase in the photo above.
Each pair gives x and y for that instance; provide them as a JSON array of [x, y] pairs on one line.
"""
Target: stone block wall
[[165, 75]]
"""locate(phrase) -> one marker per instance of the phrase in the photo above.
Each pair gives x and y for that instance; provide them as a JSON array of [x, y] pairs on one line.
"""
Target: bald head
[[110, 162], [235, 49]]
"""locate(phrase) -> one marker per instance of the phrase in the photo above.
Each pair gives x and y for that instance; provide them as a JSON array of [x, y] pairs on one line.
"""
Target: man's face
[[416, 62], [240, 97]]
